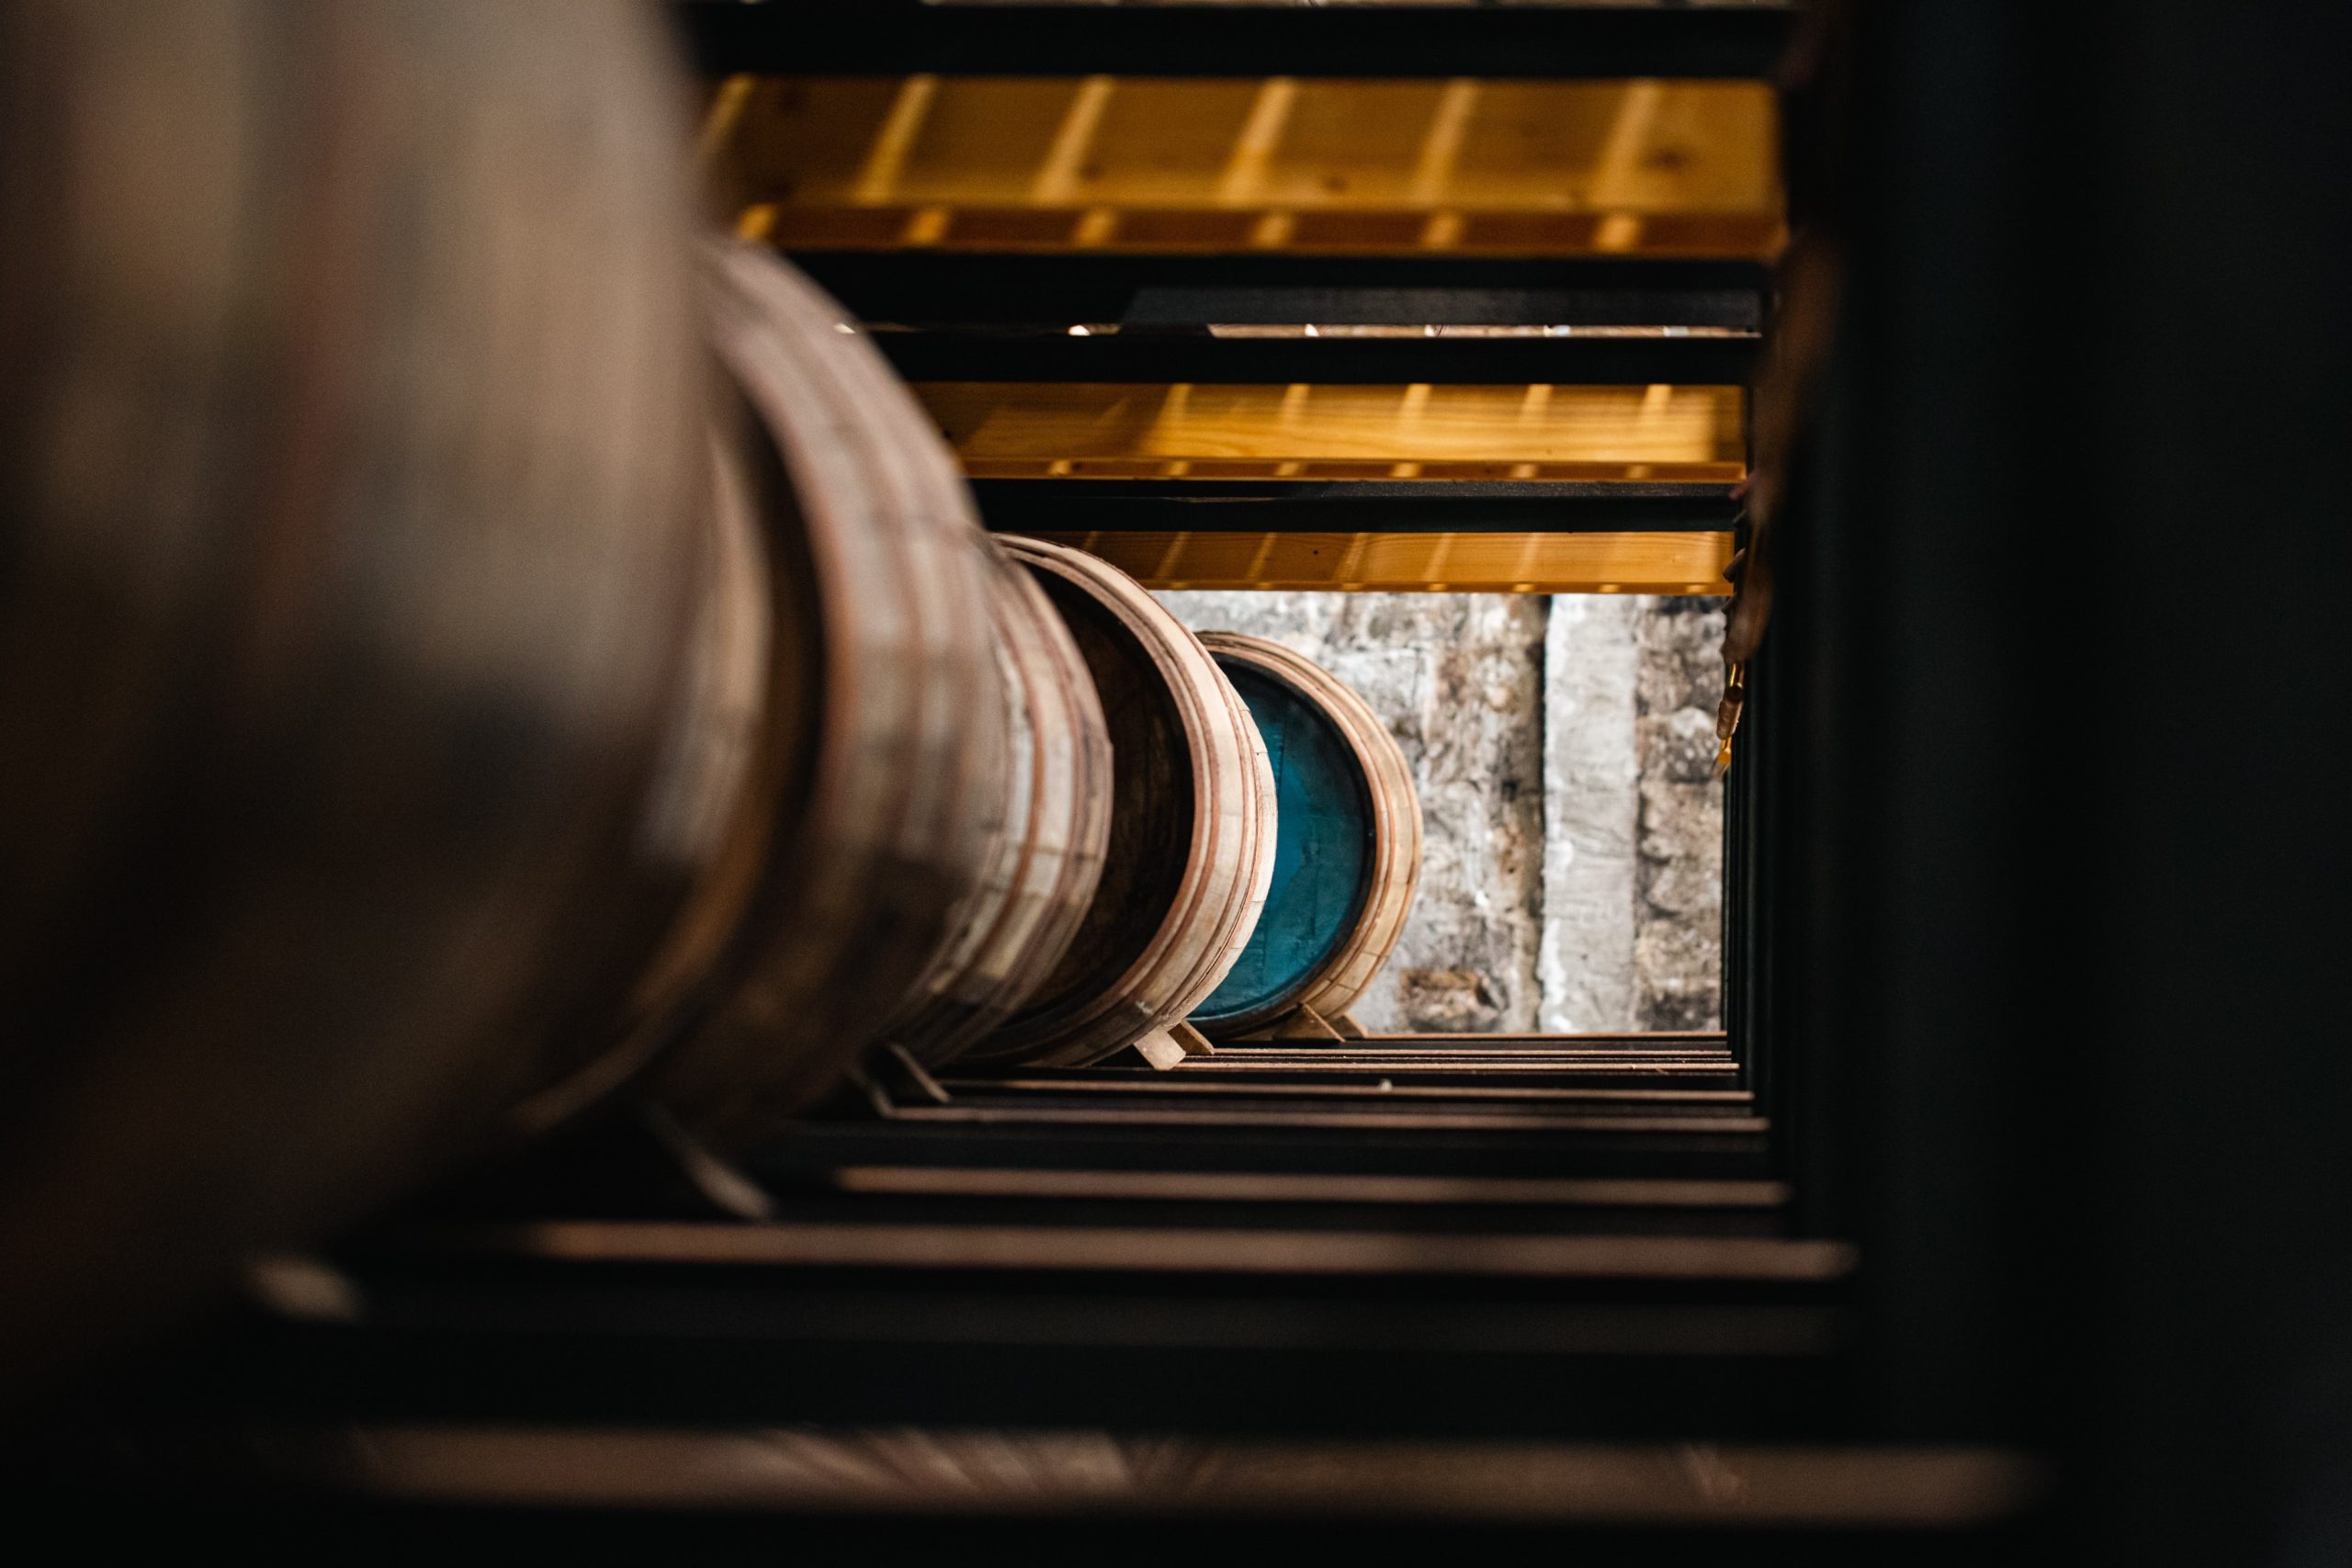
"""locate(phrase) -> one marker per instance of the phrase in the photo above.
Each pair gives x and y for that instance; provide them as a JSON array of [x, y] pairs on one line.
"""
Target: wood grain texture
[[1636, 167], [1057, 832], [866, 891], [1192, 831], [1688, 563], [1390, 826], [1020, 430], [959, 1471]]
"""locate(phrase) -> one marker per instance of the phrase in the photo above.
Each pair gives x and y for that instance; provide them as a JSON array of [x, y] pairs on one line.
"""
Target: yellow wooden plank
[[1242, 182], [1668, 167], [1442, 143], [721, 116], [886, 155], [1060, 180], [1019, 429], [1690, 563]]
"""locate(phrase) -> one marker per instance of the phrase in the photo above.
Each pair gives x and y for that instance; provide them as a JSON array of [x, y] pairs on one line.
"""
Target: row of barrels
[[451, 679], [1042, 821]]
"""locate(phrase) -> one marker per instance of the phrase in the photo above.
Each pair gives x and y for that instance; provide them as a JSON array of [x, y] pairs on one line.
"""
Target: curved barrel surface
[[348, 410], [1050, 854], [884, 857], [1192, 829]]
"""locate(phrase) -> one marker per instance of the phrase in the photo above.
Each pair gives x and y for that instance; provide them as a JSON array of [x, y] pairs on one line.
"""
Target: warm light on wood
[[1021, 430], [1644, 167], [1470, 563]]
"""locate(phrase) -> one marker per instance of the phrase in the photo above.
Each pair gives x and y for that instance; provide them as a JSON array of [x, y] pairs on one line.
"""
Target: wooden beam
[[1014, 430], [877, 175], [1156, 163], [1168, 1250], [681, 1470], [1250, 1186], [1690, 563]]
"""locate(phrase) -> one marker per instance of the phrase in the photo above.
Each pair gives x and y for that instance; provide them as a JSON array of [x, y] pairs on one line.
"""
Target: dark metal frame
[[957, 305], [923, 286], [1735, 1328], [1349, 506], [874, 37], [1161, 358]]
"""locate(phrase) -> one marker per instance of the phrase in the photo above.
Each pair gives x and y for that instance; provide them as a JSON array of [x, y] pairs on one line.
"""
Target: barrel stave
[[1191, 840]]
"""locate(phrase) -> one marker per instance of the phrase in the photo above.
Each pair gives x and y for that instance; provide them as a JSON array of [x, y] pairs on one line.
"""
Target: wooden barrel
[[894, 812], [1348, 843], [348, 402], [1042, 878], [1191, 828]]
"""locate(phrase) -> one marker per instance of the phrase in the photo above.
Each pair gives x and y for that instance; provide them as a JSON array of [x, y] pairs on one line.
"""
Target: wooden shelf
[[1302, 431], [1690, 563], [1641, 168]]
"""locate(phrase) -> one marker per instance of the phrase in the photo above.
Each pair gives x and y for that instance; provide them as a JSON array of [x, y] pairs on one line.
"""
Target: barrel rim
[[1394, 878], [1266, 1007], [1228, 860]]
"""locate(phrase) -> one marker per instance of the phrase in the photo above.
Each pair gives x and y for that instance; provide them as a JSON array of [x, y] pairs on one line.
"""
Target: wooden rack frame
[[1568, 43], [1554, 1257], [1162, 163]]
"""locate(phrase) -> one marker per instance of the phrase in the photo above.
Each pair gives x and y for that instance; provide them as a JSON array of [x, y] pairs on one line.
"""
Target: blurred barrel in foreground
[[1348, 850], [892, 819], [1192, 825], [348, 405]]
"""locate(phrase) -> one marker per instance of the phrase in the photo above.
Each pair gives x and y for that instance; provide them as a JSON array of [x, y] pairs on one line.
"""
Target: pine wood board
[[1634, 167], [1029, 428], [1687, 563]]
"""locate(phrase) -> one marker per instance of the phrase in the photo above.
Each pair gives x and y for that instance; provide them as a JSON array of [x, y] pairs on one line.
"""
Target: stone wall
[[1572, 868], [1592, 790], [1678, 939]]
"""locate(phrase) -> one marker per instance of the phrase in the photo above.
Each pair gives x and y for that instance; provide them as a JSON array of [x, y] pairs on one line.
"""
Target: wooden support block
[[303, 1287], [1160, 1049], [1347, 1026], [1306, 1024], [905, 1072], [1193, 1041], [721, 1184]]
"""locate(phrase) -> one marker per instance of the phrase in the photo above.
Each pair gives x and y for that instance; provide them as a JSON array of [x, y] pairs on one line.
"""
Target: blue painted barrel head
[[1323, 850]]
